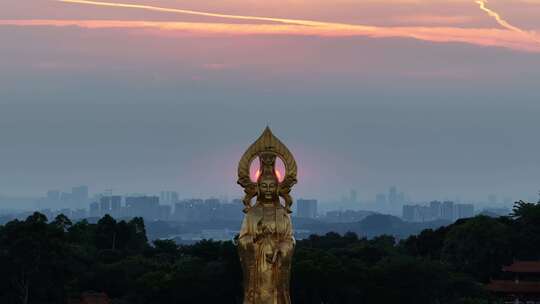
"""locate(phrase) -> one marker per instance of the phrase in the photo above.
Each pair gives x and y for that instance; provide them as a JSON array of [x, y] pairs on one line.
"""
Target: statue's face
[[268, 189]]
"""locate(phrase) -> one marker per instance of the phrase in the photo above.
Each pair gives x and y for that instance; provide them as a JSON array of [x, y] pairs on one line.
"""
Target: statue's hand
[[272, 258], [275, 257]]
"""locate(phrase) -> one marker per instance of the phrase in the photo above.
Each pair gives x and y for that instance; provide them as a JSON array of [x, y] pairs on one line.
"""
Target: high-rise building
[[423, 214], [66, 196], [168, 197], [180, 211], [306, 208], [94, 209], [212, 203], [194, 209], [447, 211], [416, 213], [464, 211], [198, 210], [435, 209], [209, 209], [105, 205], [111, 204], [144, 206], [79, 194], [408, 213], [116, 204]]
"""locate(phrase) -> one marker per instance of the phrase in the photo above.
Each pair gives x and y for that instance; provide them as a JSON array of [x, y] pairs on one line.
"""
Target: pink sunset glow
[[457, 28]]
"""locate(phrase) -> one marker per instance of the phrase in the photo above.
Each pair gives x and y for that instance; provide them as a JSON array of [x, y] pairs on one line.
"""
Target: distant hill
[[378, 224], [371, 226]]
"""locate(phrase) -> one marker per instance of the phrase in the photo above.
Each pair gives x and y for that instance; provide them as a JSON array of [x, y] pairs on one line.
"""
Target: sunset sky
[[440, 98]]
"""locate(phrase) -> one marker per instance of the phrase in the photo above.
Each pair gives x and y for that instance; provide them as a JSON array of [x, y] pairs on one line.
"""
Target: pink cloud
[[475, 36]]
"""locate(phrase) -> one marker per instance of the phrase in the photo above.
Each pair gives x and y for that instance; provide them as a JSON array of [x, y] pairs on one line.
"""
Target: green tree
[[527, 225], [429, 243], [479, 247], [32, 258]]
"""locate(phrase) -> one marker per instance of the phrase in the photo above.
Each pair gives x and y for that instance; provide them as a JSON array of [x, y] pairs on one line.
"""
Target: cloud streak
[[280, 26], [200, 13], [481, 37]]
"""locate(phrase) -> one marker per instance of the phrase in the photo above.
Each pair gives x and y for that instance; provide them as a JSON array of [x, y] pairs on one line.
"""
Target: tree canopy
[[52, 261]]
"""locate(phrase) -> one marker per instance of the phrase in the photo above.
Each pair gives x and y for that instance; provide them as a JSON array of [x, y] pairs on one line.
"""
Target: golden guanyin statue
[[266, 241]]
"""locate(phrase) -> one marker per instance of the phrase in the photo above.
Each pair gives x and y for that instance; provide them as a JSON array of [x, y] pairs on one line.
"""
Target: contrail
[[206, 14], [498, 18], [504, 23]]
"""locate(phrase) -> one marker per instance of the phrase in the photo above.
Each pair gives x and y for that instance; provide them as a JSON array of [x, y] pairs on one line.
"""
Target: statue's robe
[[266, 245]]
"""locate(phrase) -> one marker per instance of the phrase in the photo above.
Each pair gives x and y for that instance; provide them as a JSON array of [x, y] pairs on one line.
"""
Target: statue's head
[[268, 188]]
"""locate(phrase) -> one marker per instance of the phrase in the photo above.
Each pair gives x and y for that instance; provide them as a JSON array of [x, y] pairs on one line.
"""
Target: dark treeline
[[45, 261]]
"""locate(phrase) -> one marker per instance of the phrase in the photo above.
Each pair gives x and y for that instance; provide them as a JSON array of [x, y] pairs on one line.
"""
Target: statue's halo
[[268, 143]]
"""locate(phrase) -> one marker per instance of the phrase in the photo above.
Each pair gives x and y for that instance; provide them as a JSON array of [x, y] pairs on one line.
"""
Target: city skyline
[[390, 201]]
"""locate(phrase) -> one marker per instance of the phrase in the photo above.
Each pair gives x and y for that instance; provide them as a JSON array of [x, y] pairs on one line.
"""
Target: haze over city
[[439, 98], [269, 151]]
